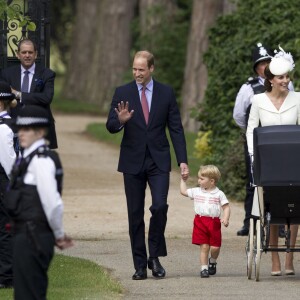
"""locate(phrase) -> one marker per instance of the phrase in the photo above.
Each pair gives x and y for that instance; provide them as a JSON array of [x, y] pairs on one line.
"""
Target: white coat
[[264, 112]]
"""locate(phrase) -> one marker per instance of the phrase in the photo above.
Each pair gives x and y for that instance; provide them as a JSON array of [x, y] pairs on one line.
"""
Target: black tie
[[25, 83]]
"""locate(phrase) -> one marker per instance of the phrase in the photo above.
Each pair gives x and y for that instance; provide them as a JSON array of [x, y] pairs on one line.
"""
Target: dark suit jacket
[[137, 135], [41, 92]]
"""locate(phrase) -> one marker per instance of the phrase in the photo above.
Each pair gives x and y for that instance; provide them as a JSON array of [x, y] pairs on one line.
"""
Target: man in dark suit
[[144, 108], [39, 88]]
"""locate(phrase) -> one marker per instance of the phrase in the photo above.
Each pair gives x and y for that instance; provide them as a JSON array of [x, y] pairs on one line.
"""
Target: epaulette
[[42, 151], [252, 80], [6, 121], [11, 124]]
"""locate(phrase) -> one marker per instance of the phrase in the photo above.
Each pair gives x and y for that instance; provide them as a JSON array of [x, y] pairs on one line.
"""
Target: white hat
[[281, 63]]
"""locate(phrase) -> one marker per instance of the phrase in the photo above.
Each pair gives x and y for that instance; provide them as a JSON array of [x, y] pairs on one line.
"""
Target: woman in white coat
[[277, 106]]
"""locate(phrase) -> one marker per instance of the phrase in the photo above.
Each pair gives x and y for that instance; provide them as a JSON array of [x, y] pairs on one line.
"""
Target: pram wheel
[[258, 249], [250, 248]]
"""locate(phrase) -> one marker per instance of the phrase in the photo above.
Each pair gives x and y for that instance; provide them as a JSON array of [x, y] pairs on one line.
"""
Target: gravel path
[[96, 217]]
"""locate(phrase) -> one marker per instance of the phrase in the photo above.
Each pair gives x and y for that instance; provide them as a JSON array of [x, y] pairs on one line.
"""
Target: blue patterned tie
[[25, 83]]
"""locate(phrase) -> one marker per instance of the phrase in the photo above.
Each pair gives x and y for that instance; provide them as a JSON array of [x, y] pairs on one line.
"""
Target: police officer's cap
[[5, 92], [33, 116], [260, 53]]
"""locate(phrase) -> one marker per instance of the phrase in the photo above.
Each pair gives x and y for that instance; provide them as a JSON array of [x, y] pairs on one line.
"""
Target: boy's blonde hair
[[210, 171]]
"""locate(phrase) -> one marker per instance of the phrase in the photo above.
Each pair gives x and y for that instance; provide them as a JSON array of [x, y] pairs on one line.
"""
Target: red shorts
[[207, 230]]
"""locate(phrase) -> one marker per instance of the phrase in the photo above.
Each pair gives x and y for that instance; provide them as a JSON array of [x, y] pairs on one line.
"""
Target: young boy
[[208, 200], [35, 205]]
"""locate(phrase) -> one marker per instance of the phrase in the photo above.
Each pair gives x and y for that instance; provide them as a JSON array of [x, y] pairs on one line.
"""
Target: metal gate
[[11, 34]]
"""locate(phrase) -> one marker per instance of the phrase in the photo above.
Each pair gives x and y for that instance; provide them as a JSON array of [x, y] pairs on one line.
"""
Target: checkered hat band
[[25, 121], [6, 95]]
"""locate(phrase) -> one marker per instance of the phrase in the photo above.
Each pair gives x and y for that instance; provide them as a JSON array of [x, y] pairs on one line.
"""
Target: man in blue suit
[[143, 109], [40, 87]]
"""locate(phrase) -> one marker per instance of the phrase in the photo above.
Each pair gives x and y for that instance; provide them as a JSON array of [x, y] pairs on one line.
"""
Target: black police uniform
[[258, 88], [259, 54], [6, 274], [33, 238]]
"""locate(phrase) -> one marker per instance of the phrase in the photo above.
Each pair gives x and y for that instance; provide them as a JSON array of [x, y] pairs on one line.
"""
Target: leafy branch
[[14, 14]]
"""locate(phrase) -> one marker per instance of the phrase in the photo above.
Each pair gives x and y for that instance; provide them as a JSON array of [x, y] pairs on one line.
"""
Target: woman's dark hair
[[269, 76]]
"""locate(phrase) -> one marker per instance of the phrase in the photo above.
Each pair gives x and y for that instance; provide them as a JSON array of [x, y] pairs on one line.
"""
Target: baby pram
[[276, 174]]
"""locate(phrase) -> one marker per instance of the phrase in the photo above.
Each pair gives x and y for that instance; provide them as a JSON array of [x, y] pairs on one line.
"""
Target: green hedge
[[229, 64]]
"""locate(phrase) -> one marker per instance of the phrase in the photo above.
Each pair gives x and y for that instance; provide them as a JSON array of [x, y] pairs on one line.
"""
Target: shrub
[[229, 63]]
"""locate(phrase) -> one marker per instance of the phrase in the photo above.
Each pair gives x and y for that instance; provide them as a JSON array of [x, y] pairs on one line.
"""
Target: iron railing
[[11, 34]]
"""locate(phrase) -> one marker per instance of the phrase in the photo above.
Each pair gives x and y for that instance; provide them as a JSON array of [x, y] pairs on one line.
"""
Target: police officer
[[7, 159], [35, 204], [261, 58]]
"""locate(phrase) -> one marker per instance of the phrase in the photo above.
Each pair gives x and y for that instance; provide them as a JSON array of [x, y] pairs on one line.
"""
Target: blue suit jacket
[[41, 92], [137, 135]]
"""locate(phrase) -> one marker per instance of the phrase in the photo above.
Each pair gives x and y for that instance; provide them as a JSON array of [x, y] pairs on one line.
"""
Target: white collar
[[33, 147], [214, 191], [149, 85], [31, 69], [3, 113]]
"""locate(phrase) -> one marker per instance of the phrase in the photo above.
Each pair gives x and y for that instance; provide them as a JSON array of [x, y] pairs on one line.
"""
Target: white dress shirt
[[148, 92], [30, 74], [41, 173], [207, 203]]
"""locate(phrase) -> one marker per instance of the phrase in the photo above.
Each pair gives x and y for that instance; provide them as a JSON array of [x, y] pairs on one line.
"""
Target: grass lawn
[[76, 279], [68, 106]]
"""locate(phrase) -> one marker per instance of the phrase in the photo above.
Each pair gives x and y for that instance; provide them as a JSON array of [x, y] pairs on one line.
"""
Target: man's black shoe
[[140, 274], [243, 231], [157, 270]]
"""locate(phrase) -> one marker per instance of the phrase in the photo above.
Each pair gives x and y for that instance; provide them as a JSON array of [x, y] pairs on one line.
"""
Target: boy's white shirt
[[207, 203]]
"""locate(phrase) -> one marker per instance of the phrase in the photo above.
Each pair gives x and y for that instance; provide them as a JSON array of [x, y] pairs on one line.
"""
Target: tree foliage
[[13, 13], [229, 64], [62, 17], [167, 41]]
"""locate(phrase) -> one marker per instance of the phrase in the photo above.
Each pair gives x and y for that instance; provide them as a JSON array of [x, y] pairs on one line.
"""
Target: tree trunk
[[204, 15], [149, 19], [81, 49], [101, 51], [62, 18], [152, 13], [228, 7]]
